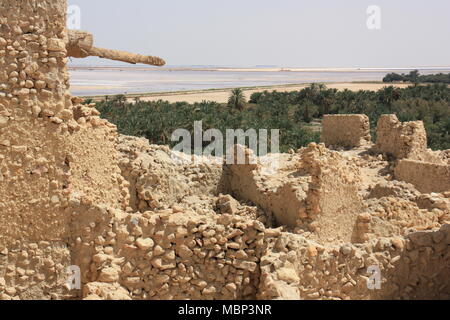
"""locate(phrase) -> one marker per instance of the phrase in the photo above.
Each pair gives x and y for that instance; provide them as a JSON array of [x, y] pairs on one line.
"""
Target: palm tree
[[414, 77], [307, 113], [388, 95], [120, 99], [237, 99]]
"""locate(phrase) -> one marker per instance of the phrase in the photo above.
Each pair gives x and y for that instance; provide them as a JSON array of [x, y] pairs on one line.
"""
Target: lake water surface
[[85, 81]]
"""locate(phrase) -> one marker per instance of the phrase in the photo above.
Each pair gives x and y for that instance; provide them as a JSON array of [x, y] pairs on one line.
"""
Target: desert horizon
[[132, 81]]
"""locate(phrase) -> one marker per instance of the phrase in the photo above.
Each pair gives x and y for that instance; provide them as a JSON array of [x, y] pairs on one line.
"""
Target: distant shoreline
[[251, 69], [220, 95]]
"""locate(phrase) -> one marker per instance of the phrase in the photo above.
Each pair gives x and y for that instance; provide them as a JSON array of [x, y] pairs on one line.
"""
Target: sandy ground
[[221, 96]]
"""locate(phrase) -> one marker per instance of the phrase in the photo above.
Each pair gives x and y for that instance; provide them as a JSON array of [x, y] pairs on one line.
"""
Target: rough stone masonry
[[139, 226]]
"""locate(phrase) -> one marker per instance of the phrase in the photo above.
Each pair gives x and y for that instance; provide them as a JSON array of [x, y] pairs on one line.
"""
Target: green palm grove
[[297, 114]]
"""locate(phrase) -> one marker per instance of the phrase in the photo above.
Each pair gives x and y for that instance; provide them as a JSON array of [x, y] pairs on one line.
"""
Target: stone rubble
[[144, 222]]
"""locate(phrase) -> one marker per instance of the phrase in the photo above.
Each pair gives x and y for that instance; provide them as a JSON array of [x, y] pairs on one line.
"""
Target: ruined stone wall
[[412, 267], [390, 216], [415, 267], [34, 270], [159, 178], [283, 196], [333, 202], [64, 202], [33, 89], [426, 177], [168, 255], [279, 267], [314, 187], [345, 130], [49, 152], [401, 140]]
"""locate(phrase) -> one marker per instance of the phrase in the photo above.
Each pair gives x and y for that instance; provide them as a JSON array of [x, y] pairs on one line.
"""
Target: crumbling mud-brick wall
[[389, 216], [412, 267], [426, 177], [283, 196], [47, 154], [314, 187], [33, 87], [66, 203], [34, 270], [279, 267], [33, 173], [159, 178], [346, 130], [333, 201], [400, 140]]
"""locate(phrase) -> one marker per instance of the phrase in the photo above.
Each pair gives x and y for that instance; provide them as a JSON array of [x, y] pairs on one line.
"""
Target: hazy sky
[[297, 33]]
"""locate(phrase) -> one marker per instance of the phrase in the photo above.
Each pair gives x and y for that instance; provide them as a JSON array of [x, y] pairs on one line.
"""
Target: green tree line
[[293, 113], [416, 78]]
